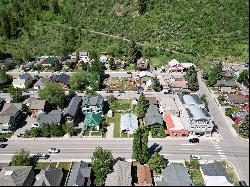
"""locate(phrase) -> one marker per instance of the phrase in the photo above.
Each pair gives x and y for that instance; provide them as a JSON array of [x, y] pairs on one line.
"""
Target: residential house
[[226, 90], [180, 84], [187, 66], [142, 64], [175, 66], [73, 56], [40, 84], [10, 116], [73, 110], [240, 114], [227, 73], [169, 106], [153, 118], [121, 175], [79, 175], [175, 175], [69, 63], [238, 120], [226, 83], [174, 126], [7, 63], [17, 176], [28, 65], [84, 56], [61, 78], [49, 177], [145, 74], [236, 99], [119, 63], [92, 120], [47, 61], [214, 174], [92, 104], [144, 176], [129, 123], [24, 81], [36, 106], [194, 114], [104, 58], [53, 117]]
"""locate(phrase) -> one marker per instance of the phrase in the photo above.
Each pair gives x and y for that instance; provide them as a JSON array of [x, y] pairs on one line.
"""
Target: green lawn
[[64, 165], [5, 135], [130, 67], [85, 133], [44, 165], [116, 120], [231, 173], [159, 61], [96, 133], [194, 171], [120, 105]]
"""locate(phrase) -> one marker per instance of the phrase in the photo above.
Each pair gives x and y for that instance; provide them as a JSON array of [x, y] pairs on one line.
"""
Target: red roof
[[238, 121], [45, 61], [169, 121]]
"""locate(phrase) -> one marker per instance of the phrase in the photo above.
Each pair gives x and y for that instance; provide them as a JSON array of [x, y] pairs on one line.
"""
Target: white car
[[197, 157], [53, 150], [35, 125]]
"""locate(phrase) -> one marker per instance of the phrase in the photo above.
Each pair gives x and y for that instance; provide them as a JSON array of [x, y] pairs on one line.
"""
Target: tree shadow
[[154, 148]]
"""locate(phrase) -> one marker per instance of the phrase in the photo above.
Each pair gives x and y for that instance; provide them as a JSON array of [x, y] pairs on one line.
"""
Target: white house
[[84, 56], [129, 123]]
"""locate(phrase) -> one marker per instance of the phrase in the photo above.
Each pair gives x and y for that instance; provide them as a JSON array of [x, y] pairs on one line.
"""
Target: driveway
[[28, 124]]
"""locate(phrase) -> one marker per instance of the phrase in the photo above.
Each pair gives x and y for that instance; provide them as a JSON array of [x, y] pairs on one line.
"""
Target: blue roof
[[25, 76]]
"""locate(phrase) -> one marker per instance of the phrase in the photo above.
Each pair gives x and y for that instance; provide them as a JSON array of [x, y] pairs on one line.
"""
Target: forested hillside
[[189, 30]]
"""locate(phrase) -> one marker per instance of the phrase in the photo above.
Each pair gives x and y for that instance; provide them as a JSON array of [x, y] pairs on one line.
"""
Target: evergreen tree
[[244, 128], [112, 65], [142, 106], [142, 6], [191, 77], [16, 95], [54, 6], [133, 52], [45, 128], [4, 78], [156, 162], [156, 85], [140, 145], [243, 76]]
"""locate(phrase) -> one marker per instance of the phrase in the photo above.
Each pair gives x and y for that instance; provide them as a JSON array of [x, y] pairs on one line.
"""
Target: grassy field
[[116, 120], [120, 105], [5, 135], [64, 165], [231, 173], [194, 171], [44, 165]]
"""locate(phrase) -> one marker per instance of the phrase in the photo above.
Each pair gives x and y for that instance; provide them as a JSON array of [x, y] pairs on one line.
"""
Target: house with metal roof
[[49, 177], [17, 176], [121, 175], [40, 84], [10, 116], [214, 174], [92, 103], [53, 117], [73, 110], [92, 120], [79, 175], [190, 99], [175, 175], [129, 123], [153, 118]]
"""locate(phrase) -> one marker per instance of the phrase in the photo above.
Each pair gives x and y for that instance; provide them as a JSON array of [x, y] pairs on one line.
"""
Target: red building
[[174, 126]]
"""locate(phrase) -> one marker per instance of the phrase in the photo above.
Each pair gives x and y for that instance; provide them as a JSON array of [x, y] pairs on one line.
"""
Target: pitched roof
[[144, 175], [62, 78], [214, 169], [225, 83], [14, 175], [79, 171], [238, 121], [54, 116], [121, 176], [49, 177], [152, 100], [18, 81], [180, 84], [197, 113], [73, 106], [41, 81], [173, 62], [90, 100], [9, 109], [26, 76], [92, 118], [191, 99], [176, 175], [153, 116], [129, 120], [35, 104], [236, 99]]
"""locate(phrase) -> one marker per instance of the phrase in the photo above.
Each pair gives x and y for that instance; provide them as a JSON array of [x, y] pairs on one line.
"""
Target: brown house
[[142, 64], [144, 176], [236, 99]]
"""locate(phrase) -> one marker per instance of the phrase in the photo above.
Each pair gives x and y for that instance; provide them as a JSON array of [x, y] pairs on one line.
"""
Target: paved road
[[241, 164], [77, 149]]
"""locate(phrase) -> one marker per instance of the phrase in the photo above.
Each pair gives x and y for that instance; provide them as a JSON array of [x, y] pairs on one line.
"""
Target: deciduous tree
[[156, 162], [21, 158]]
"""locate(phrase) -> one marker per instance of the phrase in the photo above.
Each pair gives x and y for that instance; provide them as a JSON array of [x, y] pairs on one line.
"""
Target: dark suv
[[194, 140]]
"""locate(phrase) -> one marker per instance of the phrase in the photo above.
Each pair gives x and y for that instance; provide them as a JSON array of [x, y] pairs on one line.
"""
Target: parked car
[[242, 183], [3, 140], [129, 72], [194, 140], [121, 91], [35, 125], [53, 150], [109, 91], [2, 145], [40, 156], [195, 157]]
